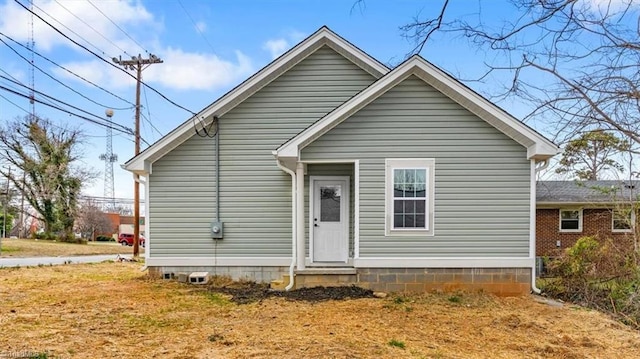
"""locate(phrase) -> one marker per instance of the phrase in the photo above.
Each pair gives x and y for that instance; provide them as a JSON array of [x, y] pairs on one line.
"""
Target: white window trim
[[580, 217], [633, 222], [390, 165]]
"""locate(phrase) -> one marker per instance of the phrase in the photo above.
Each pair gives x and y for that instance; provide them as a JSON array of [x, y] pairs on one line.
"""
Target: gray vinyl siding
[[255, 194], [335, 169], [482, 183]]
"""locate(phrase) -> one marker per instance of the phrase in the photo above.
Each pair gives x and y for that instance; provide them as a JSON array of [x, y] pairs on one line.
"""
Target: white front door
[[329, 219]]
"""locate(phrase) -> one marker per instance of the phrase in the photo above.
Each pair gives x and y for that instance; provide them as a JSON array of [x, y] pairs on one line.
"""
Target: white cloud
[[99, 32], [296, 36], [277, 47], [201, 26], [188, 71], [95, 71], [180, 71]]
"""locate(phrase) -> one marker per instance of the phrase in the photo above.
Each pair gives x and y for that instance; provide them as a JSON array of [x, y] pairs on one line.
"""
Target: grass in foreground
[[45, 248], [112, 310]]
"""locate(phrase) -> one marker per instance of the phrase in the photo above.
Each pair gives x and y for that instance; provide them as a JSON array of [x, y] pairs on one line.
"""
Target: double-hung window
[[410, 190], [623, 220], [570, 220]]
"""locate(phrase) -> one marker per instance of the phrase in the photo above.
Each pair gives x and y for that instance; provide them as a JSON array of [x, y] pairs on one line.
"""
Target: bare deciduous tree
[[45, 154], [576, 61], [92, 221]]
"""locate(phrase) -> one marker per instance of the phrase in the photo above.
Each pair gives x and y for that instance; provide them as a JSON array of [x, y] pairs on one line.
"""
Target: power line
[[53, 78], [128, 131], [56, 20], [102, 59], [54, 125], [16, 105], [16, 81], [72, 73], [149, 112], [89, 26], [196, 26], [66, 104], [119, 28]]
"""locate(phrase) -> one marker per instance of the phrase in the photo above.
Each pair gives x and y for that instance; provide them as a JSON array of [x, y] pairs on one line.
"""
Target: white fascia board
[[220, 261], [385, 262], [542, 151], [231, 99], [538, 147]]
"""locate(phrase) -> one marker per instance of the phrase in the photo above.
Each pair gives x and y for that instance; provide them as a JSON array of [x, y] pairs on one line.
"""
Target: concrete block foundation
[[498, 281]]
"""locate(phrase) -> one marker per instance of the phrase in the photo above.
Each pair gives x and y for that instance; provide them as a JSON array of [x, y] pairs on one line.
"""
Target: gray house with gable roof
[[328, 168]]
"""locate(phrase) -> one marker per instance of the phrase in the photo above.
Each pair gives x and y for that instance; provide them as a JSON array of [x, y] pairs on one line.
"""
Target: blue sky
[[208, 47]]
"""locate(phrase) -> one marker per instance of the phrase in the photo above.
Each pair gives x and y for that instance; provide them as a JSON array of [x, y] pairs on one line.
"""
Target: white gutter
[[294, 249], [532, 230]]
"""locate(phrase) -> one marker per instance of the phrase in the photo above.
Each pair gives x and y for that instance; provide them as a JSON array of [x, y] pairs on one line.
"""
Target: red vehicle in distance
[[126, 239]]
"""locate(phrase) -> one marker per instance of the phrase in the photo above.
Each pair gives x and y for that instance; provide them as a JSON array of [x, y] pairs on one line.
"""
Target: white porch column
[[300, 214]]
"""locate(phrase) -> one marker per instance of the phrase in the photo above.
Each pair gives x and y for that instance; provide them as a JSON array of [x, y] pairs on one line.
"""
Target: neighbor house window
[[570, 220], [410, 190], [622, 220]]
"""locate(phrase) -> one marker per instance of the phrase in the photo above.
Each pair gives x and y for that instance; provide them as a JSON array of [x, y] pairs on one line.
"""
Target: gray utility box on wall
[[216, 230]]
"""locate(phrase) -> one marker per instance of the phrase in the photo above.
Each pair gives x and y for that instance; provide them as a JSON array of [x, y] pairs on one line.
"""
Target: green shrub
[[604, 275], [105, 239]]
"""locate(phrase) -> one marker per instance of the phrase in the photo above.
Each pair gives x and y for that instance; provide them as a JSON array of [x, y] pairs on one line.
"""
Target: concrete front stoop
[[318, 277]]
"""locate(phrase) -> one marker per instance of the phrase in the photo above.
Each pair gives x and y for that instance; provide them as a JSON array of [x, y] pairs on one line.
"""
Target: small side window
[[570, 220], [622, 220]]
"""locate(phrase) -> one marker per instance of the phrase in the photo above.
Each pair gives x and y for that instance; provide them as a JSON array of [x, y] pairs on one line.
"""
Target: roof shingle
[[586, 191]]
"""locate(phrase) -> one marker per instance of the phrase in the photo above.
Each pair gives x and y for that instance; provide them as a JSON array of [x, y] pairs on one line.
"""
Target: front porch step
[[318, 277], [327, 271]]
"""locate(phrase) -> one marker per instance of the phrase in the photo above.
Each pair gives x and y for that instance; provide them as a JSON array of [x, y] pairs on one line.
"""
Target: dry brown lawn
[[43, 248], [113, 310]]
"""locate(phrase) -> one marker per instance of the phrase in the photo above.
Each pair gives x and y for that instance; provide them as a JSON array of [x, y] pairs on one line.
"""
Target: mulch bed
[[254, 292]]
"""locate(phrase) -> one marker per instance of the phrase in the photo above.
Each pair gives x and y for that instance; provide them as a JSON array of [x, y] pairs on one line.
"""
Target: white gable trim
[[538, 147], [324, 36]]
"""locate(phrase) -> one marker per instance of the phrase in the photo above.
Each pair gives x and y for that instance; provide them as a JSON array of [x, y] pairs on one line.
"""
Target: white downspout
[[300, 215], [294, 249], [532, 230]]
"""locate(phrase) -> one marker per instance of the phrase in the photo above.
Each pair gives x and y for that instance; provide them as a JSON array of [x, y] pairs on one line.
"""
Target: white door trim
[[345, 210]]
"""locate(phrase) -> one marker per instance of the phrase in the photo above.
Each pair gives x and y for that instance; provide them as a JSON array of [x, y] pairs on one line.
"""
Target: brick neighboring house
[[569, 210]]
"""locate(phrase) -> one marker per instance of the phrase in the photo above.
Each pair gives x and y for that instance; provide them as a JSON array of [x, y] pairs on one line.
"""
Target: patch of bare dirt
[[112, 310], [254, 292]]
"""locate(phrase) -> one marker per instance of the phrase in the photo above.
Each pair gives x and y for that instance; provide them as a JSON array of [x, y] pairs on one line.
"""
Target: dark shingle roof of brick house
[[586, 191]]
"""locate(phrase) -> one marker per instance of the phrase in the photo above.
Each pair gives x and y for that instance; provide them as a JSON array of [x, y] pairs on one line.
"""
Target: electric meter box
[[216, 229]]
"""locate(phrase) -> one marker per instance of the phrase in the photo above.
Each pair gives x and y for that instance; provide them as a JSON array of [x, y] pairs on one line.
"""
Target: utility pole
[[136, 64], [21, 224], [4, 207]]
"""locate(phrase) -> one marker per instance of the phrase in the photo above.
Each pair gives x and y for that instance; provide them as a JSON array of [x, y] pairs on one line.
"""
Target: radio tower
[[109, 158], [31, 44]]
